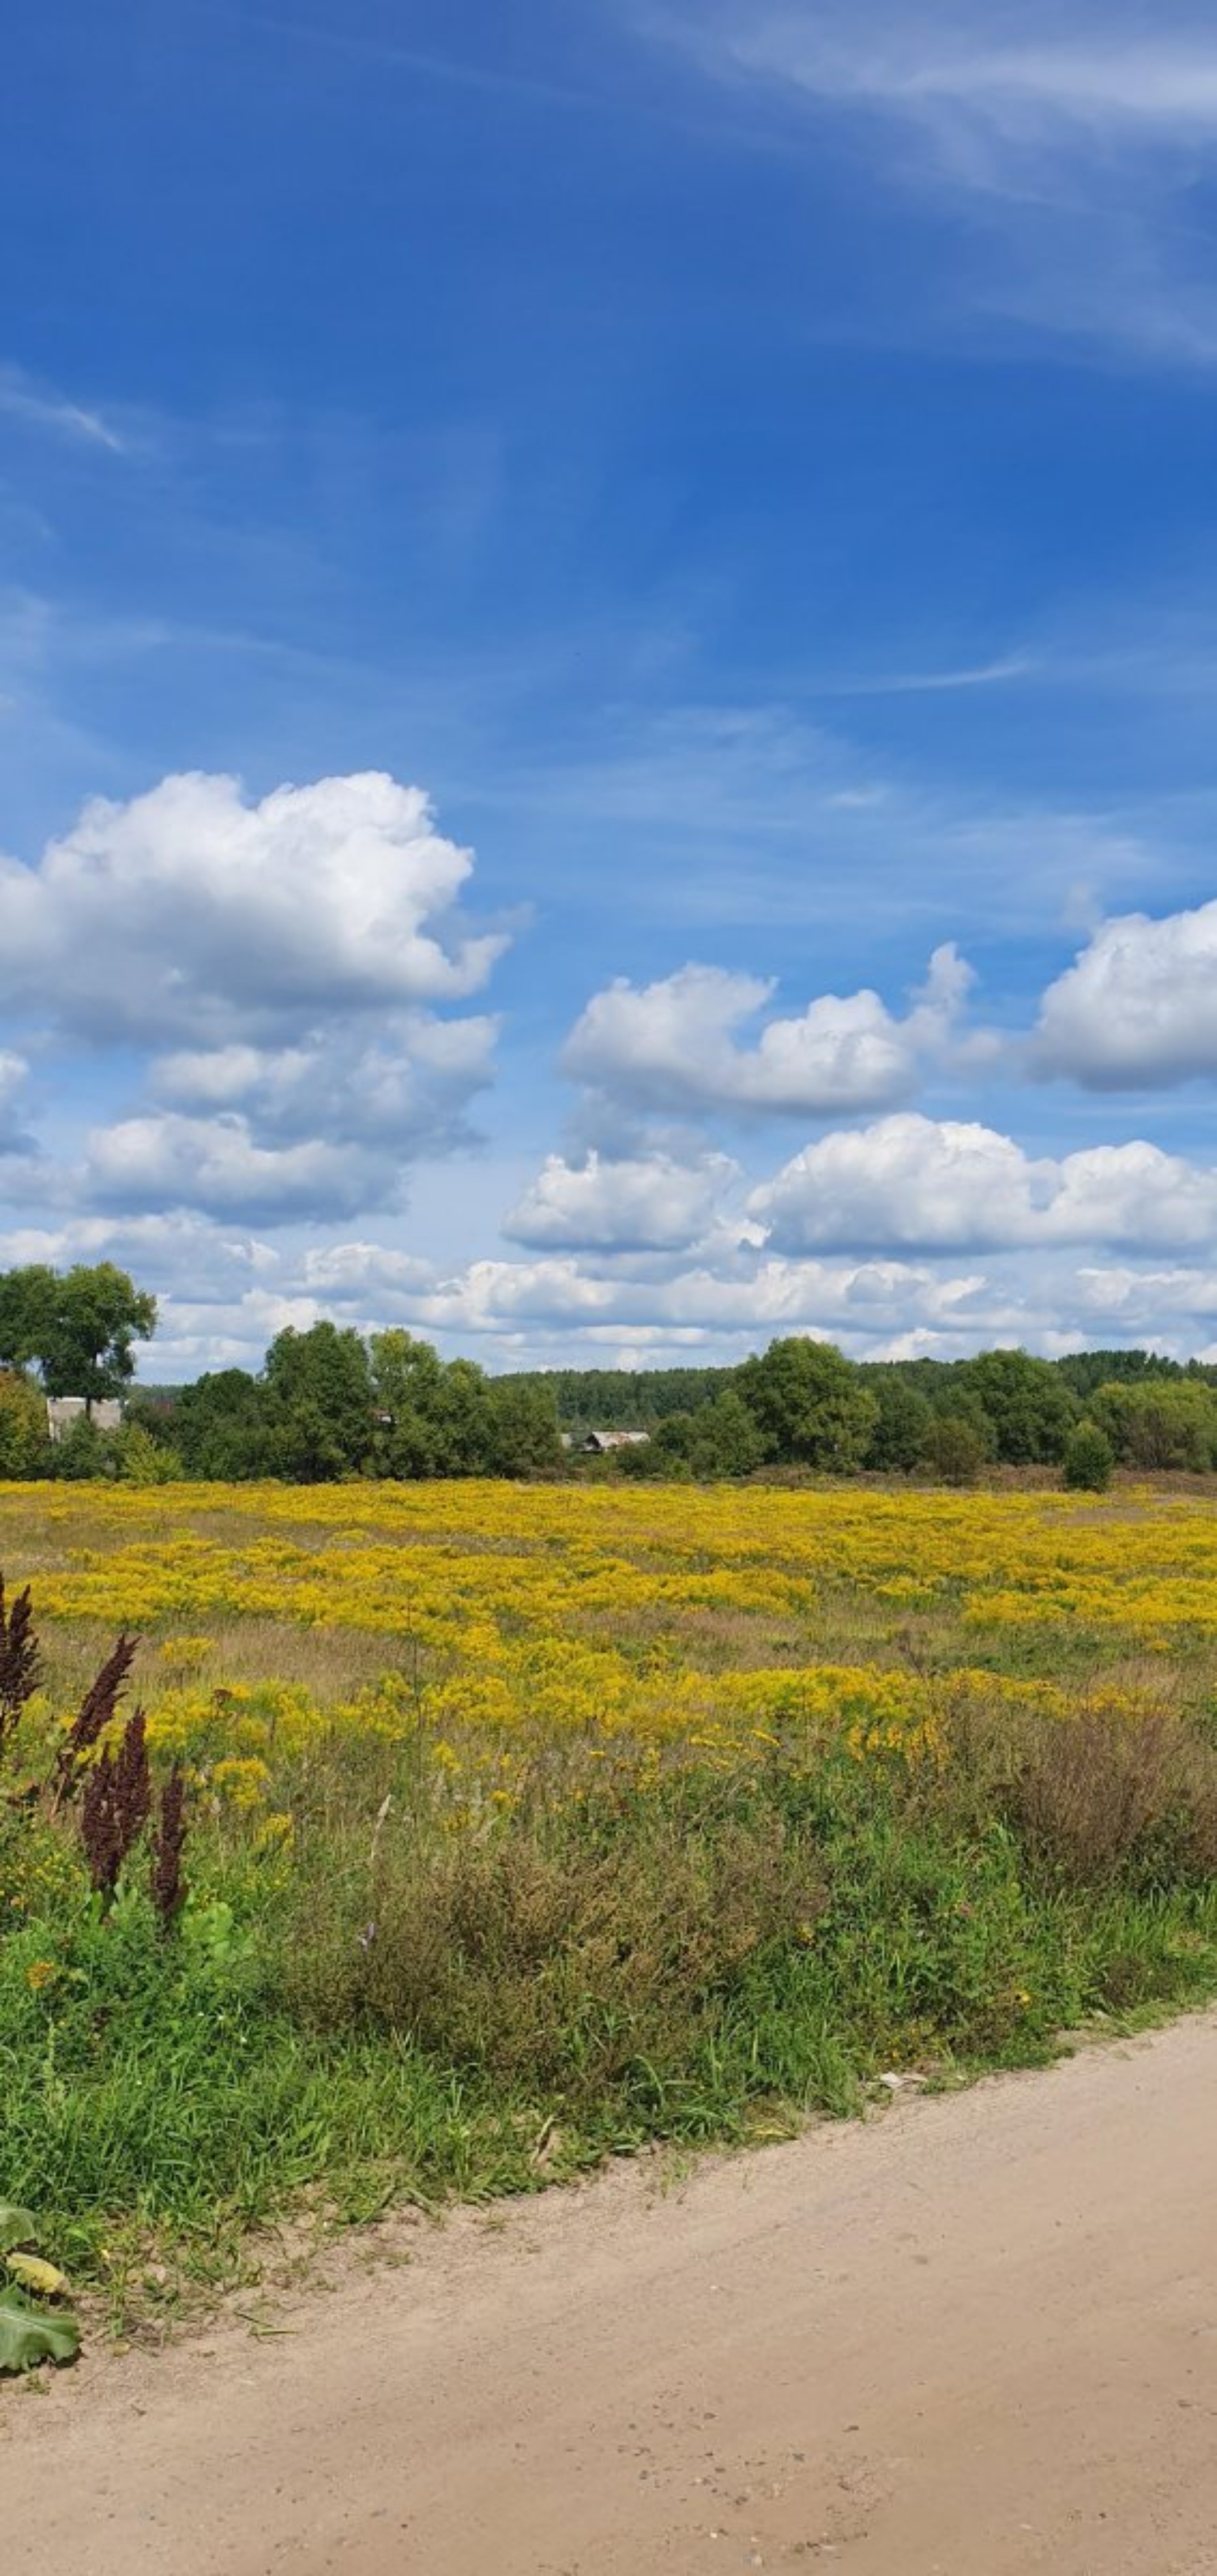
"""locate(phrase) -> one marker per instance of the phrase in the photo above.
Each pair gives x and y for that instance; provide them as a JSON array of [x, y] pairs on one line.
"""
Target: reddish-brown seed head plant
[[97, 1708], [19, 1661], [115, 1806], [133, 1780]]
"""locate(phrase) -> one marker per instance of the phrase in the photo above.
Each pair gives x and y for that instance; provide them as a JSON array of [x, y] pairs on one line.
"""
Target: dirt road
[[978, 2335]]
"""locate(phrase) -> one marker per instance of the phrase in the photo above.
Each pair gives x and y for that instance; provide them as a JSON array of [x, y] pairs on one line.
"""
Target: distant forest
[[639, 1399], [625, 1399]]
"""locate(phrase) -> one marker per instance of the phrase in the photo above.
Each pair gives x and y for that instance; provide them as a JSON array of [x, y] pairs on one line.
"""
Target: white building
[[63, 1410]]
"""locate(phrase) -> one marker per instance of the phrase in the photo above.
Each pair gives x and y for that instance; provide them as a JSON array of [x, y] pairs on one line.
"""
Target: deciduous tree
[[79, 1326], [810, 1405]]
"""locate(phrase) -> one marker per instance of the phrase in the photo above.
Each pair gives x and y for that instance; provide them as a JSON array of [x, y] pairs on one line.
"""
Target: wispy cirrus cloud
[[1073, 140], [40, 408], [1007, 668], [1048, 77]]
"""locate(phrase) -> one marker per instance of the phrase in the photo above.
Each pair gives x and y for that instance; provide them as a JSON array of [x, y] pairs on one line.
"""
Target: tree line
[[803, 1404], [329, 1402], [326, 1403]]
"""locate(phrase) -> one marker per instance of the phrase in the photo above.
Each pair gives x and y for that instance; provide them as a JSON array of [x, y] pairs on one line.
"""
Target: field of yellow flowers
[[589, 1813], [670, 1618]]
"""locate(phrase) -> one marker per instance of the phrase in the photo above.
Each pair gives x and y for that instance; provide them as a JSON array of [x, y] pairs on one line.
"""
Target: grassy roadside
[[369, 2006], [528, 1827]]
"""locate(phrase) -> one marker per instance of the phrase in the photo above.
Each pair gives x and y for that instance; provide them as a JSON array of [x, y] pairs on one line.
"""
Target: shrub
[[24, 1445], [84, 1454], [144, 1460], [1089, 1459], [1160, 1423], [567, 1949], [1102, 1796], [720, 1440], [954, 1449]]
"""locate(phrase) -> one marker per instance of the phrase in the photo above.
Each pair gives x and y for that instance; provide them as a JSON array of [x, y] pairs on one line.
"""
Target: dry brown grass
[[1100, 1797], [1107, 1795], [333, 1663], [564, 1954]]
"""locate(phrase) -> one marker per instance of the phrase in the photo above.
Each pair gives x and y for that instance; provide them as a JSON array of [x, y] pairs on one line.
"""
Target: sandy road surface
[[978, 2335]]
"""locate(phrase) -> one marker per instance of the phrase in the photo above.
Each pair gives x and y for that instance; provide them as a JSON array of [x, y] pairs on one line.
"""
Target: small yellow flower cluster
[[241, 1781], [186, 1654]]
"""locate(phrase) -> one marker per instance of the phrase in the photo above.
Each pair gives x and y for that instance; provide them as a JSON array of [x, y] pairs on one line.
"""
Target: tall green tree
[[447, 1418], [810, 1405], [228, 1427], [320, 1382], [954, 1449], [1089, 1459], [903, 1424], [1031, 1406], [722, 1439], [1086, 1370], [27, 1299], [524, 1435], [407, 1383], [463, 1427], [79, 1327]]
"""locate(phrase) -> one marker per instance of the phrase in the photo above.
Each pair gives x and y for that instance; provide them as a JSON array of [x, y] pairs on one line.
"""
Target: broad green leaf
[[28, 2336], [34, 2274], [17, 2226]]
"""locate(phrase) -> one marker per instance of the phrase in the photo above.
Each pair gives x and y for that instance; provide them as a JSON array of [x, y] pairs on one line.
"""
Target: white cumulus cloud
[[908, 1180], [676, 1044], [214, 1166], [650, 1202], [405, 1090], [1138, 1007], [192, 915], [363, 1272], [295, 960], [947, 1185]]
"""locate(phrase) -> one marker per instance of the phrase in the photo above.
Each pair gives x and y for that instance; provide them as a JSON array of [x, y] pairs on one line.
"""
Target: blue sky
[[693, 528]]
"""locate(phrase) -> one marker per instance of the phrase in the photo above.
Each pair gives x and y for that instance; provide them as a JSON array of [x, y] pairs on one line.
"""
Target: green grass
[[704, 1961]]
